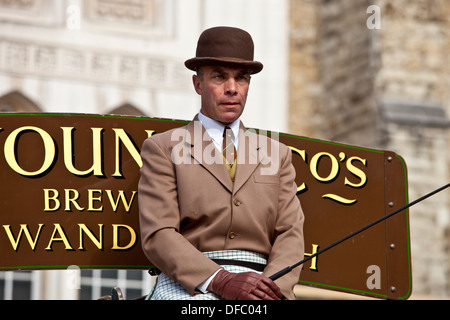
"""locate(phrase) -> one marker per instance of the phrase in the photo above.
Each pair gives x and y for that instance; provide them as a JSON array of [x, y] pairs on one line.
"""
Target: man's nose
[[230, 87]]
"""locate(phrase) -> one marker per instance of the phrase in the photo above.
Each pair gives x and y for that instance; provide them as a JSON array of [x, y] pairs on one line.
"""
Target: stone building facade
[[365, 72], [376, 73], [125, 57]]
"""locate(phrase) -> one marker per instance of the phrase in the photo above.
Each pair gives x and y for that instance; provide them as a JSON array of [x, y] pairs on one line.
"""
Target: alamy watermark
[[374, 280], [73, 275], [73, 21], [197, 148], [374, 20]]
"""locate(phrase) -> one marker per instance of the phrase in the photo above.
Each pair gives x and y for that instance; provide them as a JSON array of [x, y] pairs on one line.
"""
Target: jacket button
[[237, 202], [232, 235]]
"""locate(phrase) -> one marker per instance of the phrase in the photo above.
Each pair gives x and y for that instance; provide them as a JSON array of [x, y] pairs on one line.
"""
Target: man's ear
[[197, 84]]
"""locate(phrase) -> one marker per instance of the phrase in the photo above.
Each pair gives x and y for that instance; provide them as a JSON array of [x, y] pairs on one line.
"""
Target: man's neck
[[215, 128]]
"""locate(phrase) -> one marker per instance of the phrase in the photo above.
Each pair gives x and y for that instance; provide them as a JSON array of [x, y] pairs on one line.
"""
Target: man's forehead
[[226, 69]]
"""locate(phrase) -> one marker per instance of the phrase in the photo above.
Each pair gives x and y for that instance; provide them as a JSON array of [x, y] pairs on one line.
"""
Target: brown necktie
[[228, 148]]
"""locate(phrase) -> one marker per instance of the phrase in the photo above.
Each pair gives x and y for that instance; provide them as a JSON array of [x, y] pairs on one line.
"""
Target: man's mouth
[[230, 103]]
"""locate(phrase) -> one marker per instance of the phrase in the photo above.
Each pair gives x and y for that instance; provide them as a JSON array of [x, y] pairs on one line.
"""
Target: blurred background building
[[365, 72]]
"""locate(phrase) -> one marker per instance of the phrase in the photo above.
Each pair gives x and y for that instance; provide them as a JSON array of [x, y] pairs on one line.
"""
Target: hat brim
[[252, 66]]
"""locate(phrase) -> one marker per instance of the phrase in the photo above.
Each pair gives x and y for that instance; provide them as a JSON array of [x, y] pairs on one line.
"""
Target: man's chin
[[229, 117], [228, 120]]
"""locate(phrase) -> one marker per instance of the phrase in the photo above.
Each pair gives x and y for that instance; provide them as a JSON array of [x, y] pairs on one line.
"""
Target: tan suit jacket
[[188, 205]]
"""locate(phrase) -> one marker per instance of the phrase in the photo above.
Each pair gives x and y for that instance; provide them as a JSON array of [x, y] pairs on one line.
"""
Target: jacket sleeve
[[288, 245]]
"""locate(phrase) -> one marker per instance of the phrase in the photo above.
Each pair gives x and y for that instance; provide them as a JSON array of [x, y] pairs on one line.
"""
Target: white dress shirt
[[215, 130]]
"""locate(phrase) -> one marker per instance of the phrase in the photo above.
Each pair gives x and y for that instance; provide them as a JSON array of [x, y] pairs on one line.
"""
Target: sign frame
[[329, 173]]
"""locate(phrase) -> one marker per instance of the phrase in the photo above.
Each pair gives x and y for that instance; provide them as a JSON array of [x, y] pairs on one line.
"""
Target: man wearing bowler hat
[[218, 207]]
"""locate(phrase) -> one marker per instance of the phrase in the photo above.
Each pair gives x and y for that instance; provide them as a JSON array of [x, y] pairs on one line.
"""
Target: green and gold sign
[[68, 196]]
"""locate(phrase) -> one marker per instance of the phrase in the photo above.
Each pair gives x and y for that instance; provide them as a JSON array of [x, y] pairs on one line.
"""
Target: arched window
[[127, 109], [15, 101]]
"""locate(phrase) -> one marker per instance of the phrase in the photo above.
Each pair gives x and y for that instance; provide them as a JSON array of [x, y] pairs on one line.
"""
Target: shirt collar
[[215, 129]]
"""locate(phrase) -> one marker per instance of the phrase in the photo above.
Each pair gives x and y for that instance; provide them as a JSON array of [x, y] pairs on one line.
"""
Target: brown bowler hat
[[225, 46]]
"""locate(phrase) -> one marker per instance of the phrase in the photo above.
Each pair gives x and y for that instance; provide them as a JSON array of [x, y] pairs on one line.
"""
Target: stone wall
[[304, 85], [413, 88], [333, 64], [385, 88]]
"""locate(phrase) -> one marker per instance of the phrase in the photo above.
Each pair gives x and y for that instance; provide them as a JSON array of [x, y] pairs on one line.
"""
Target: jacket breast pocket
[[267, 179]]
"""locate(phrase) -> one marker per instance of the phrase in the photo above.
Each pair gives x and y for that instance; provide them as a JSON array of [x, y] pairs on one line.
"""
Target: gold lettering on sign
[[315, 163], [94, 199], [338, 198], [313, 266], [59, 235], [357, 172], [98, 242], [121, 137], [120, 197], [51, 195], [71, 199], [96, 167], [302, 154], [10, 154], [62, 237], [116, 237], [333, 173], [23, 229]]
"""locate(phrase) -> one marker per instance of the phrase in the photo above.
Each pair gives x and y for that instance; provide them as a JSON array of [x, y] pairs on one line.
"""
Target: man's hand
[[244, 286]]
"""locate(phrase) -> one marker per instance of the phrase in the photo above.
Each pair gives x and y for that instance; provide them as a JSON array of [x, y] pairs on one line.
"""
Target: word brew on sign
[[69, 197]]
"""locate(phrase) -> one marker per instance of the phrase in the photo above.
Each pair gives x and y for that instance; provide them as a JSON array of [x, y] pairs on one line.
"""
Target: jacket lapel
[[205, 153], [248, 159]]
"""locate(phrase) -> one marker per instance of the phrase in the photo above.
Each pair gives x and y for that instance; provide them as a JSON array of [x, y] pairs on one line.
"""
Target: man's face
[[223, 92]]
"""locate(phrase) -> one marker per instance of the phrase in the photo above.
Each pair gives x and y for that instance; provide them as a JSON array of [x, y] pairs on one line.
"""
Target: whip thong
[[290, 268]]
